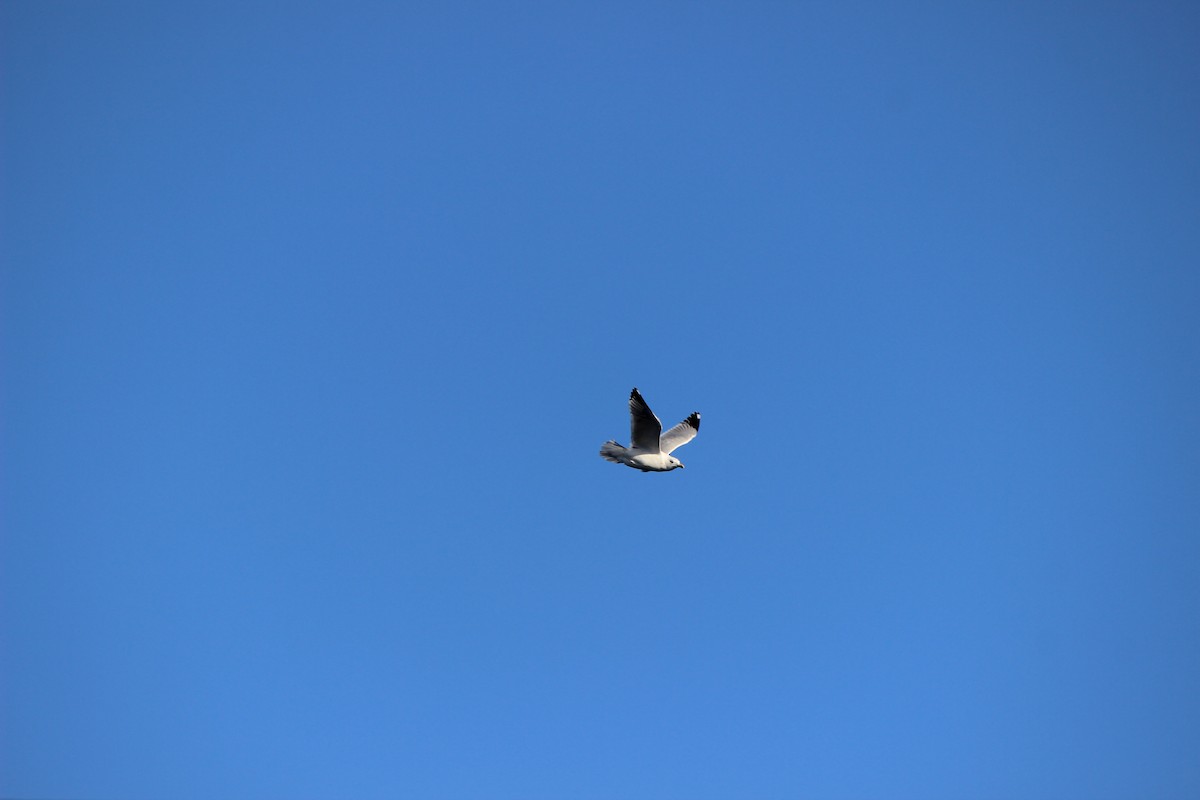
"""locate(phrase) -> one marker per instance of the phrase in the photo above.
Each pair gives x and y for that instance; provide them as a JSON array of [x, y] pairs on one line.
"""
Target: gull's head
[[675, 463]]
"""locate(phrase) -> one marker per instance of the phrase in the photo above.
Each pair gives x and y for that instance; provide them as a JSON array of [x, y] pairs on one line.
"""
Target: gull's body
[[649, 448]]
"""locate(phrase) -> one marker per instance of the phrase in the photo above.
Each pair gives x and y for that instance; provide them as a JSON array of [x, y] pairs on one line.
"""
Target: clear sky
[[314, 317]]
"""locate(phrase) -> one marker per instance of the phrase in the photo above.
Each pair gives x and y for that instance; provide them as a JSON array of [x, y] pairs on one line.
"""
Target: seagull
[[650, 449]]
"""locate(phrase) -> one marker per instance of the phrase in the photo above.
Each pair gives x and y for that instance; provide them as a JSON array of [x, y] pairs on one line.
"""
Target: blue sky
[[315, 315]]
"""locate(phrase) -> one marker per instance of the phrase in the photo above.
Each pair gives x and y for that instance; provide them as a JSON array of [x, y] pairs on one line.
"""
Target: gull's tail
[[611, 451]]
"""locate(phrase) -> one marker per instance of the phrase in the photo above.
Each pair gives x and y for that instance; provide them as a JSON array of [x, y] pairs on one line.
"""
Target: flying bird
[[649, 448]]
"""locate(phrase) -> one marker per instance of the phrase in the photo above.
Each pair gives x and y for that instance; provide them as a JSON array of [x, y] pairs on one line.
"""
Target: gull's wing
[[644, 427], [682, 433]]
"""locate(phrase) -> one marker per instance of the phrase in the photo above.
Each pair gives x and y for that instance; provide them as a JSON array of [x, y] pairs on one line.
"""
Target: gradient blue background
[[314, 317]]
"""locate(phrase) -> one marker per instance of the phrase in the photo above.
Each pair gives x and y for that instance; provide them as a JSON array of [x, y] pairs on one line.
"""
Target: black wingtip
[[694, 420]]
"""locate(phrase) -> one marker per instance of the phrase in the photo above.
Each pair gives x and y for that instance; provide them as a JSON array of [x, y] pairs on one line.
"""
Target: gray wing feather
[[681, 434], [644, 427]]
